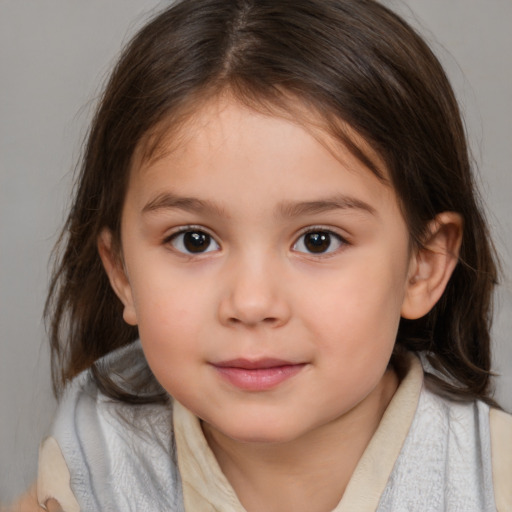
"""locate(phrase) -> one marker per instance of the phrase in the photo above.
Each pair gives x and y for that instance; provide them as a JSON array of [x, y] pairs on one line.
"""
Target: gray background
[[54, 55]]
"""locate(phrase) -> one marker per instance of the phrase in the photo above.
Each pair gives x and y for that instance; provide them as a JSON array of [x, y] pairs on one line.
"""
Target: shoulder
[[463, 424], [487, 432], [88, 423], [446, 457], [85, 413], [108, 450]]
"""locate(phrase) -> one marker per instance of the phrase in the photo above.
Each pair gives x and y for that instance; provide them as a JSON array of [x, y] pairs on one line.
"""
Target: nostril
[[268, 321]]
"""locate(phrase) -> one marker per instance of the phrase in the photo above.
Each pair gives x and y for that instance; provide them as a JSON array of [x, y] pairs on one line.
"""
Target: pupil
[[195, 241], [317, 242]]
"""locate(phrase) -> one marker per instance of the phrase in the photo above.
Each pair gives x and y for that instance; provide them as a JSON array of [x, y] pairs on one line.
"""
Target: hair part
[[362, 70]]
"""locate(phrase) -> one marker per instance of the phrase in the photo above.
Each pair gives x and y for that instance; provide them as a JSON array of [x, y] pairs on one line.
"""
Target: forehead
[[206, 108], [226, 139]]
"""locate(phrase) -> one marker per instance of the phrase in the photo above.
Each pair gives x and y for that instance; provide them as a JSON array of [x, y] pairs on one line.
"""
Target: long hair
[[353, 62]]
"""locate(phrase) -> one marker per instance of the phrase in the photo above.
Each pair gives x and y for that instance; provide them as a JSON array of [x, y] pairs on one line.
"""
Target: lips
[[257, 375]]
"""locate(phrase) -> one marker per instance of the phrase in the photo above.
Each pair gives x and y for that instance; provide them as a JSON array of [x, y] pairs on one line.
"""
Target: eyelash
[[326, 236]]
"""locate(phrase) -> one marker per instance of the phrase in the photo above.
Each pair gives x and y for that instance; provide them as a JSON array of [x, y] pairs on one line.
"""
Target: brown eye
[[194, 242], [318, 242]]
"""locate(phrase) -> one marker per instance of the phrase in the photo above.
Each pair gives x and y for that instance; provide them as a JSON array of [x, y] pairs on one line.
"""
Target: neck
[[305, 474]]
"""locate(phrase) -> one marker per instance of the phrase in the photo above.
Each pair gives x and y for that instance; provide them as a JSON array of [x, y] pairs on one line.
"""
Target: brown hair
[[349, 60]]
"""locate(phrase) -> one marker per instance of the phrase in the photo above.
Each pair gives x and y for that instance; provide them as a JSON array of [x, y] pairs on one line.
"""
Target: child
[[274, 218]]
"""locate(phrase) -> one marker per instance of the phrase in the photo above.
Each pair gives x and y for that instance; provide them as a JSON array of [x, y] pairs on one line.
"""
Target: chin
[[267, 434]]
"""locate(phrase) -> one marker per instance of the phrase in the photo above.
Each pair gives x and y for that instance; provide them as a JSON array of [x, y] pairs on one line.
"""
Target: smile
[[260, 375]]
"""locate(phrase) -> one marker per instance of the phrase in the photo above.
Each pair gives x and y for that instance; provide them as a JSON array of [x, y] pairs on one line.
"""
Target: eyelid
[[187, 227], [324, 228]]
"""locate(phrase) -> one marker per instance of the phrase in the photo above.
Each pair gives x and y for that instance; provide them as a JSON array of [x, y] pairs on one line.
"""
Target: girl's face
[[266, 274]]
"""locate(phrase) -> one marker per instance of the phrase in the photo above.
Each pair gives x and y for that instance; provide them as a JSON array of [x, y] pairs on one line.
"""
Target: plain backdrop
[[54, 55]]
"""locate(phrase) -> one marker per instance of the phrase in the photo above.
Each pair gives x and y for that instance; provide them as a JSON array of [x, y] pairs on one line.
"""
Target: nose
[[254, 295]]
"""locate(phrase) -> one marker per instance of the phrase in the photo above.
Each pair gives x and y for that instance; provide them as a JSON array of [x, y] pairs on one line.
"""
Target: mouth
[[257, 375]]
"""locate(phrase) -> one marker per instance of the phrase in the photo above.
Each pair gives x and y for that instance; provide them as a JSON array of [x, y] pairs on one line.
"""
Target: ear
[[114, 267], [432, 265]]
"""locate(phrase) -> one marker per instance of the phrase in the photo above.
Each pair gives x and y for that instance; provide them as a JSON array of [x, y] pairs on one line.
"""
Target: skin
[[253, 186]]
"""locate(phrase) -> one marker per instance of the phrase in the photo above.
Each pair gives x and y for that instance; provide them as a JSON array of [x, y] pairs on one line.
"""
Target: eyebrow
[[169, 201], [340, 202]]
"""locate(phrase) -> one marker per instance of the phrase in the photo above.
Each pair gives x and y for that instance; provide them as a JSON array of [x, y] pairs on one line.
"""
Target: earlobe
[[432, 265], [113, 265]]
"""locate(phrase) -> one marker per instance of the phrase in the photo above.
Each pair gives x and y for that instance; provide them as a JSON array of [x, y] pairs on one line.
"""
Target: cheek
[[171, 319], [170, 333], [166, 298], [358, 311]]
